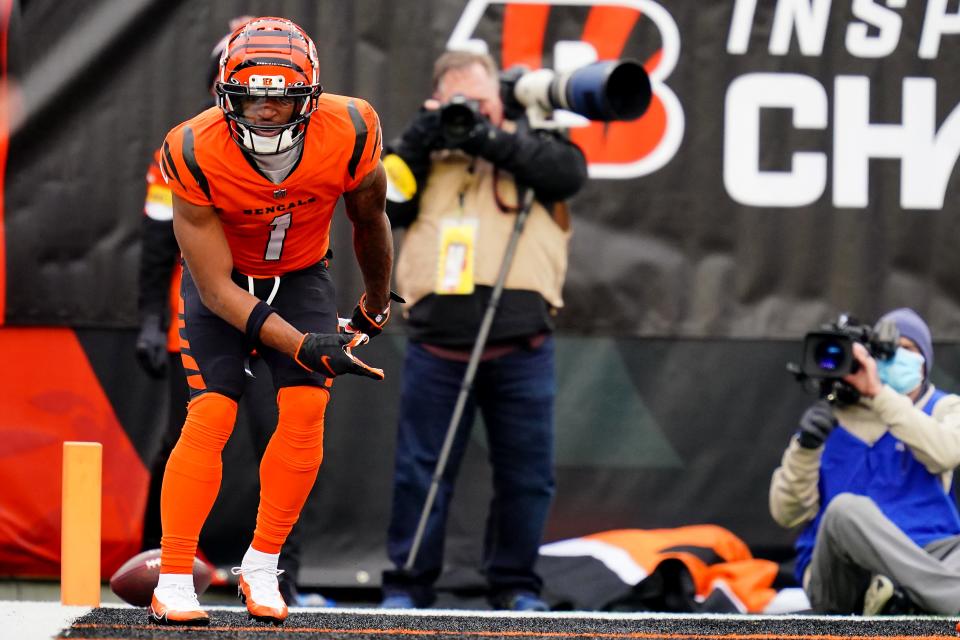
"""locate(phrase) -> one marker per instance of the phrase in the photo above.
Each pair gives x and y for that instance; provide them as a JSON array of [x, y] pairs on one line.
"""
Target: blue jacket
[[888, 473]]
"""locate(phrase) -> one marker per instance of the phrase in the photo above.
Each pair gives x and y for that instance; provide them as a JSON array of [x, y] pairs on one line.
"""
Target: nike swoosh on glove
[[330, 354]]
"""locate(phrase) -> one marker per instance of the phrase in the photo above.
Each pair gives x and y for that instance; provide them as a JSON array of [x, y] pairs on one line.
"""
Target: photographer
[[871, 484], [461, 205]]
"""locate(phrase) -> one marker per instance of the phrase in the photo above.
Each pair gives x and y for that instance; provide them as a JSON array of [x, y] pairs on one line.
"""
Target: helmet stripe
[[267, 62], [272, 33], [266, 45]]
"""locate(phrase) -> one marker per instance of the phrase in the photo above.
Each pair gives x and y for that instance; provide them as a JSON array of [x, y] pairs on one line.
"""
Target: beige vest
[[540, 262]]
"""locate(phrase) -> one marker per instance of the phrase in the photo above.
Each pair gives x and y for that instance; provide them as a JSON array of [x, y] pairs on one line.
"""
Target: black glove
[[363, 322], [816, 423], [421, 136], [329, 354], [152, 346]]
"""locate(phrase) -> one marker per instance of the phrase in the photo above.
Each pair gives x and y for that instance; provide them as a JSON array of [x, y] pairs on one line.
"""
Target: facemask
[[903, 372], [268, 145]]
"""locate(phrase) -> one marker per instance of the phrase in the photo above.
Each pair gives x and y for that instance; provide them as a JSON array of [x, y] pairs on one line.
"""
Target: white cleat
[[177, 604], [259, 589]]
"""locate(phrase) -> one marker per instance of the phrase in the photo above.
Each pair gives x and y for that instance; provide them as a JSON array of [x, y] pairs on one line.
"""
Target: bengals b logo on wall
[[565, 34]]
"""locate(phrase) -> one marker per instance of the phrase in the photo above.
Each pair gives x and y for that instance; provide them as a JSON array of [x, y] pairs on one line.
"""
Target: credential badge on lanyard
[[458, 241]]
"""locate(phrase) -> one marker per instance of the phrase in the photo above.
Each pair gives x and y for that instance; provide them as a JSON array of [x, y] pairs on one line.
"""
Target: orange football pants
[[192, 477]]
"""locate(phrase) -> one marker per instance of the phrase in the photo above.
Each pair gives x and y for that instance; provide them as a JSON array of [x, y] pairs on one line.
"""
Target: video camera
[[828, 355], [605, 91]]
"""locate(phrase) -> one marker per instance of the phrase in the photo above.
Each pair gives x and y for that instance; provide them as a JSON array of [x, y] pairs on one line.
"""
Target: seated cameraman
[[460, 209], [871, 483]]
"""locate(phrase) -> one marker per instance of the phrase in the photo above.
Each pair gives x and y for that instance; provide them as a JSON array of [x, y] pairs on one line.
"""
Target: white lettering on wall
[[927, 156], [746, 97], [738, 40], [936, 22], [808, 18], [888, 23]]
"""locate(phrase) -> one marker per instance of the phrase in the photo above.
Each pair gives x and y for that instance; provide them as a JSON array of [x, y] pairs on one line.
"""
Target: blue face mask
[[903, 372]]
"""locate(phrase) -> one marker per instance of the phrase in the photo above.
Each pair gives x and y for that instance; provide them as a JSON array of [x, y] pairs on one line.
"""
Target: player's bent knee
[[300, 427], [210, 420], [302, 408]]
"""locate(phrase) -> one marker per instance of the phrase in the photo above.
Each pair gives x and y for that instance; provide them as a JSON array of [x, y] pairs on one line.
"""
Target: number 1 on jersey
[[280, 225]]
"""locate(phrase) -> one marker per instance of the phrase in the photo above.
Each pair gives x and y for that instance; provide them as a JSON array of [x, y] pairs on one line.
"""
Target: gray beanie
[[912, 326]]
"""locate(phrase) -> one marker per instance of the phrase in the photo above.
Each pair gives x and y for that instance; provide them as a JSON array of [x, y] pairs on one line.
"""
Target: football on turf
[[135, 581]]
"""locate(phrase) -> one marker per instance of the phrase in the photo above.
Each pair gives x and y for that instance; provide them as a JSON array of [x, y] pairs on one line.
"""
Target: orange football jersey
[[273, 229]]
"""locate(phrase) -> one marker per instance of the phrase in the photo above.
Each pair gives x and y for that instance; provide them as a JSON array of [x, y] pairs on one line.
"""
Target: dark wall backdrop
[[692, 278]]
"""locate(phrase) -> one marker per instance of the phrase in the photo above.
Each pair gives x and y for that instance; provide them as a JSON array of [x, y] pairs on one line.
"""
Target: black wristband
[[255, 321]]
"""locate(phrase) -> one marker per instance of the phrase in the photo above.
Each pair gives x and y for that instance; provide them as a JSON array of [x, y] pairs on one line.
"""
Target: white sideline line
[[27, 620]]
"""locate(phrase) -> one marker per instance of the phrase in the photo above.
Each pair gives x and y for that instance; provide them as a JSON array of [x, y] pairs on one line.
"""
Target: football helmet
[[268, 58]]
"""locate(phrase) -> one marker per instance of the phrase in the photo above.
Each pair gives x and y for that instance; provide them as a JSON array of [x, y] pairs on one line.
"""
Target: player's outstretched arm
[[372, 238]]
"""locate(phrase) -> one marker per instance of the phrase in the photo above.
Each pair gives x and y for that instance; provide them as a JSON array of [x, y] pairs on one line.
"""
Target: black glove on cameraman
[[816, 423], [482, 140], [152, 346], [543, 160], [421, 136]]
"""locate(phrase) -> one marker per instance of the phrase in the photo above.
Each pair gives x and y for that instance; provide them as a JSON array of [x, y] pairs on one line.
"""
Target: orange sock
[[290, 463], [191, 480]]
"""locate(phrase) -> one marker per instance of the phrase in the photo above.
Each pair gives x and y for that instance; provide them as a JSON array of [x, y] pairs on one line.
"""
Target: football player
[[255, 181], [158, 343]]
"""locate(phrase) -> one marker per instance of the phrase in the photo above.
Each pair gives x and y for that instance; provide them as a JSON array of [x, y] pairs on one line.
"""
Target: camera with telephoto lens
[[605, 91], [828, 355]]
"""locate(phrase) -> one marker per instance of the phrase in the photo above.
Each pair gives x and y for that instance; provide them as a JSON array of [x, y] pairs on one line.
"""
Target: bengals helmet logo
[[565, 34]]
